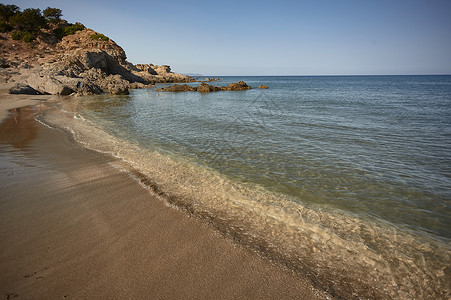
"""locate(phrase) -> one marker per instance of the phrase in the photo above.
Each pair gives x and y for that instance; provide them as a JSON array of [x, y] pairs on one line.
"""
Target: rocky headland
[[79, 61]]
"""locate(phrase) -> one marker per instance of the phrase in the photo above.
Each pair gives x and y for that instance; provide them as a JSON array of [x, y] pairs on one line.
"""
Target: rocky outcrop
[[83, 40], [205, 88], [79, 64], [239, 86], [212, 79], [149, 68], [177, 88], [159, 74], [262, 86]]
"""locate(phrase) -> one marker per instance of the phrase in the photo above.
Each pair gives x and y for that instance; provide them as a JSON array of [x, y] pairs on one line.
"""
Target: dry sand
[[72, 226]]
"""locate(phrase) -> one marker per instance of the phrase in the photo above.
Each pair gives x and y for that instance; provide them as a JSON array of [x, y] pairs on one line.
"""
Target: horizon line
[[321, 75]]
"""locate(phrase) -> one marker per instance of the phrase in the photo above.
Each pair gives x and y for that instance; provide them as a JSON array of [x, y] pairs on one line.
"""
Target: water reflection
[[19, 129]]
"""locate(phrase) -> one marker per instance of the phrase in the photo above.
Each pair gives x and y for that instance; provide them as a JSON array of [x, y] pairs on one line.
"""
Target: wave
[[341, 253]]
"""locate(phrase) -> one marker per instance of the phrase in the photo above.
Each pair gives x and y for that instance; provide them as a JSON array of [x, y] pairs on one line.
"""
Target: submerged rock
[[262, 86]]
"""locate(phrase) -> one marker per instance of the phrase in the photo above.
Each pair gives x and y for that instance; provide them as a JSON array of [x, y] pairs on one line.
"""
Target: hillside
[[62, 58]]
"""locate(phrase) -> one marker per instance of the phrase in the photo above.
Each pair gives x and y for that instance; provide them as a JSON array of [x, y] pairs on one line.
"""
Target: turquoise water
[[344, 179], [376, 146]]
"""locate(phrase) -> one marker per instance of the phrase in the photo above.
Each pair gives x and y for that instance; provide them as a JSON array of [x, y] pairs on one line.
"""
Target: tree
[[52, 14], [7, 11], [30, 20]]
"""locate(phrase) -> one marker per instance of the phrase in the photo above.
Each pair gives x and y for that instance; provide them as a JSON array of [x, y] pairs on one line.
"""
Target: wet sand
[[72, 226]]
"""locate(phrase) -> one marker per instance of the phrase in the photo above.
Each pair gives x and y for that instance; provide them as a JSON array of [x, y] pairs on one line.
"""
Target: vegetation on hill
[[99, 37], [30, 23]]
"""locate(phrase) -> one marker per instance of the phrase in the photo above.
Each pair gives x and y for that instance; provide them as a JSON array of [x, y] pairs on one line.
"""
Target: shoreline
[[74, 226], [346, 256], [341, 255]]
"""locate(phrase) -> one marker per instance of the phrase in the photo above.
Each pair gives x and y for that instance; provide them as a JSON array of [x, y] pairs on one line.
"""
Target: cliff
[[84, 62]]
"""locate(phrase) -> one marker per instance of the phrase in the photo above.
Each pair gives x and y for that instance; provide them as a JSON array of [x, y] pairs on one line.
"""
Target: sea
[[345, 179]]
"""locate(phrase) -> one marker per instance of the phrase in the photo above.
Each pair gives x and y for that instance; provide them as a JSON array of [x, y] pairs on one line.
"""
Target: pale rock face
[[20, 88], [48, 85]]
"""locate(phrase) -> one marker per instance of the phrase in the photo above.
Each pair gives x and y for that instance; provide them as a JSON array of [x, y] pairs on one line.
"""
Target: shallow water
[[345, 178]]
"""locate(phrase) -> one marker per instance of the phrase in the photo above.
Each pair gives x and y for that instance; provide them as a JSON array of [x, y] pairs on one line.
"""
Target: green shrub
[[99, 37], [71, 29], [17, 35], [5, 27], [23, 35], [28, 37]]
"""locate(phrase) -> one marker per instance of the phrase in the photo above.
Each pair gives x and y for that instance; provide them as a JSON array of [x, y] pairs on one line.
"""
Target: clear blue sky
[[321, 37]]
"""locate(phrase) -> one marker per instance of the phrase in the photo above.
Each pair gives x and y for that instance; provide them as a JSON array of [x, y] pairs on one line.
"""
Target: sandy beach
[[72, 226]]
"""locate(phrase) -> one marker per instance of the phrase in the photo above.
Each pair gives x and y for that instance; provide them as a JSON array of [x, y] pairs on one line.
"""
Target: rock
[[23, 89], [4, 63], [240, 86], [262, 86], [147, 68], [86, 88], [212, 79], [48, 85], [205, 88], [82, 40], [77, 65], [118, 90], [162, 70], [139, 85], [65, 91], [177, 88]]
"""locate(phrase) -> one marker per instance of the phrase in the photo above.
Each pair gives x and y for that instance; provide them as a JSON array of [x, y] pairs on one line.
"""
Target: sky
[[246, 37]]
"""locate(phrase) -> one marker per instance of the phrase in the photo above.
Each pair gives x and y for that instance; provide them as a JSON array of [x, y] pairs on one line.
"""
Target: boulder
[[139, 85], [83, 87], [262, 86], [177, 88], [240, 86], [118, 90], [20, 88], [206, 88], [212, 79], [48, 85]]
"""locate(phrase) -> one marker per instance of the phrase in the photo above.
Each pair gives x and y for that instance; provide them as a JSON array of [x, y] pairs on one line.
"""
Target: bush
[[71, 29], [5, 27], [99, 37], [17, 35], [28, 37], [25, 36]]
